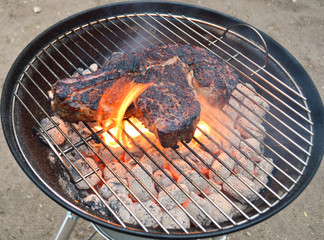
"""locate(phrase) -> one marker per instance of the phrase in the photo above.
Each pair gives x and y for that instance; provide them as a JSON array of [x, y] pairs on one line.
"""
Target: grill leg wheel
[[67, 226]]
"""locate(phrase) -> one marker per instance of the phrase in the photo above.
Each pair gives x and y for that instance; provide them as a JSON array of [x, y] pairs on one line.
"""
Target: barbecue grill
[[293, 123]]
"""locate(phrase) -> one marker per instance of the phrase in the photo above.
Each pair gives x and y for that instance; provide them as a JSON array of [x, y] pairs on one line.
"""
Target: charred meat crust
[[169, 108]]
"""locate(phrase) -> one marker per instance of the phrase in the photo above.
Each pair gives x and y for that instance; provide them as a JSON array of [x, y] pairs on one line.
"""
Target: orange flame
[[112, 108], [113, 105], [128, 128], [134, 93], [204, 127]]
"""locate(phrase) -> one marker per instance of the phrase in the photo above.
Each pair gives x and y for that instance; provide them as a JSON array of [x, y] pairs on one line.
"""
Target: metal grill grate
[[287, 124]]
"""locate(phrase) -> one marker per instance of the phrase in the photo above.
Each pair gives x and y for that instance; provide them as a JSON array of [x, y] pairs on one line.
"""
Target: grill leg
[[67, 226]]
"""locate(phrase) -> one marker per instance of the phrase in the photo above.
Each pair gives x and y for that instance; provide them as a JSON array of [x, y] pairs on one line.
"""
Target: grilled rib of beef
[[169, 108]]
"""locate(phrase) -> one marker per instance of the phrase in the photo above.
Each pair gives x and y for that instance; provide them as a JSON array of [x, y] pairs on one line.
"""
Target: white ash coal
[[179, 216], [209, 180], [193, 180], [56, 133], [113, 184], [163, 179], [121, 210], [145, 192], [94, 202], [222, 168], [86, 167], [146, 216], [115, 168], [177, 195], [155, 160]]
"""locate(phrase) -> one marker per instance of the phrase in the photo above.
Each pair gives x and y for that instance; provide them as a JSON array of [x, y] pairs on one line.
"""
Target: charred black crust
[[169, 107], [122, 62]]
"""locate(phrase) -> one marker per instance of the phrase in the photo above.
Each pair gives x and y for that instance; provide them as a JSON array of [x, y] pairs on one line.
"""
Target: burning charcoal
[[246, 89], [106, 156], [77, 73], [146, 179], [267, 166], [240, 187], [85, 169], [257, 105], [230, 139], [53, 131], [67, 185], [133, 152], [117, 150], [115, 185], [246, 113], [254, 151], [262, 176], [162, 179], [122, 212], [206, 143], [95, 147], [192, 165], [179, 215], [212, 188], [86, 72], [247, 163], [176, 193], [260, 182], [170, 153], [79, 152], [223, 204], [220, 169], [250, 129], [235, 138], [141, 141], [194, 176], [117, 168], [208, 159], [94, 202], [181, 164], [240, 206], [130, 163], [156, 156], [94, 67], [82, 129], [223, 119], [232, 111], [194, 211], [145, 217]]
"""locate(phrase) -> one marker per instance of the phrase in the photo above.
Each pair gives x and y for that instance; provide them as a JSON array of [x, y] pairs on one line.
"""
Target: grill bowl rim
[[311, 93]]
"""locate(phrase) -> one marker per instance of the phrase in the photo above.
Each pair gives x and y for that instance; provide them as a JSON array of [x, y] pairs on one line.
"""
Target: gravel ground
[[27, 213]]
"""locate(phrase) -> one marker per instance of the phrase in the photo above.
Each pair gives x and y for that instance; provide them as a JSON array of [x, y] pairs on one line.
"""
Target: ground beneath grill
[[26, 213]]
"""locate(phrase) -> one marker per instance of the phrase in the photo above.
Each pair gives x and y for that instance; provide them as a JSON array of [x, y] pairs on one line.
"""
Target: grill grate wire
[[93, 42]]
